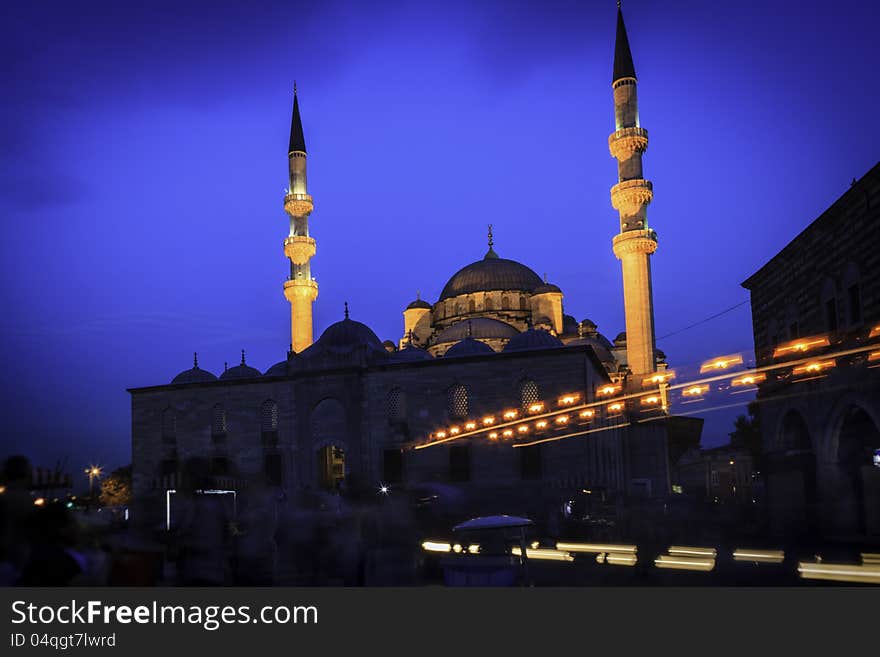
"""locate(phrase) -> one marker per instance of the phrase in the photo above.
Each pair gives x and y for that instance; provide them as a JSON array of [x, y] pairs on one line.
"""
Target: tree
[[747, 432], [116, 489]]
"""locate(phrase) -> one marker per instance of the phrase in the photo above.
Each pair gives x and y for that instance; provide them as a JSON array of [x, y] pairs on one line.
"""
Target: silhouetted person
[[53, 558]]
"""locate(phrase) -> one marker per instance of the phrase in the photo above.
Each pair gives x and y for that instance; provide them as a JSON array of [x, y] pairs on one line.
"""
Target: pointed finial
[[418, 295], [491, 239], [470, 332], [225, 366], [195, 359], [294, 82], [618, 6], [346, 310], [545, 277], [242, 356]]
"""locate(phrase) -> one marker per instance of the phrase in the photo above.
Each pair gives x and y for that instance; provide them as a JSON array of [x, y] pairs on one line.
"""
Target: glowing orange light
[[39, 501], [658, 378], [748, 379], [510, 415], [507, 433], [875, 332], [441, 434], [695, 391], [536, 408], [522, 428], [2, 489], [649, 401], [568, 399], [435, 546], [873, 356], [493, 435], [541, 425], [562, 419], [587, 413], [800, 346], [470, 426], [454, 430], [488, 420], [721, 363], [608, 390], [813, 367], [615, 407]]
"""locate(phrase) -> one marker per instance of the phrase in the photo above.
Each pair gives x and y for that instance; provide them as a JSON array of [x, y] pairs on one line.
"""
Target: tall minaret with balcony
[[300, 289], [636, 242]]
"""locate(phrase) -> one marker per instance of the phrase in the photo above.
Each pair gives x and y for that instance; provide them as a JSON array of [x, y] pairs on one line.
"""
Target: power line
[[703, 321]]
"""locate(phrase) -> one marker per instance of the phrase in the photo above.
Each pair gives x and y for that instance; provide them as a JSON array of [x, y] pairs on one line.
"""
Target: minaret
[[636, 242], [300, 289]]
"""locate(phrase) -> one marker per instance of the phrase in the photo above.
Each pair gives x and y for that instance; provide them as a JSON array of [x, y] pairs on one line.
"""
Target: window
[[269, 422], [272, 469], [489, 304], [472, 306], [530, 462], [396, 406], [392, 466], [218, 422], [528, 394], [169, 426], [831, 314], [855, 304], [523, 303], [460, 463], [457, 401]]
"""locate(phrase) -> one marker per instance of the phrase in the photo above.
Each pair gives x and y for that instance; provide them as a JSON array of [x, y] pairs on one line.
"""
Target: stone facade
[[817, 304]]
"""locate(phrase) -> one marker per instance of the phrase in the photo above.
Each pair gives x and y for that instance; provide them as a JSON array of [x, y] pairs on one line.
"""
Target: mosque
[[449, 401]]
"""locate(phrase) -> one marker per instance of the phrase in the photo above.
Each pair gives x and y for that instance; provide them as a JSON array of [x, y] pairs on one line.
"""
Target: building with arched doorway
[[816, 320]]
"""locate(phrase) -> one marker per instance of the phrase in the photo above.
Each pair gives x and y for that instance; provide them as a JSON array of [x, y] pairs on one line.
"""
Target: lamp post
[[93, 471]]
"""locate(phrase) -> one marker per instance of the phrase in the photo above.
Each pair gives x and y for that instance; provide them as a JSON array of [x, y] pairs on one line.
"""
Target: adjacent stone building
[[816, 319]]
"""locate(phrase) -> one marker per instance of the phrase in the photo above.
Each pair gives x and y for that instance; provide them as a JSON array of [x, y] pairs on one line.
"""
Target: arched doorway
[[331, 467], [329, 429], [792, 487], [857, 440]]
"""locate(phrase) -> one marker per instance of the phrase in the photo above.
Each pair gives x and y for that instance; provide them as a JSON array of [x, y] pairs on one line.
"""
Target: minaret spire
[[631, 195], [491, 252], [300, 289]]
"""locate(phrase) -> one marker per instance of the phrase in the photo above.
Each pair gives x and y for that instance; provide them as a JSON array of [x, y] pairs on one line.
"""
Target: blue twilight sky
[[144, 157]]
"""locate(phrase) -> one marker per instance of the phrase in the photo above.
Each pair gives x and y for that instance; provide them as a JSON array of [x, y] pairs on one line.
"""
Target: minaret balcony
[[299, 248], [298, 205], [300, 288], [634, 241], [626, 141], [630, 196]]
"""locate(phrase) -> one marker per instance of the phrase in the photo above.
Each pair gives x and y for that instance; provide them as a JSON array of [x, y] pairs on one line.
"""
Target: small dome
[[241, 371], [533, 339], [278, 369], [620, 339], [569, 324], [588, 323], [479, 327], [347, 335], [409, 354], [491, 273], [419, 303], [546, 288], [194, 375], [468, 347]]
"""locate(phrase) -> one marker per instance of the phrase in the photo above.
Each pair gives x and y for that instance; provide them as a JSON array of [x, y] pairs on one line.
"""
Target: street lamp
[[93, 471]]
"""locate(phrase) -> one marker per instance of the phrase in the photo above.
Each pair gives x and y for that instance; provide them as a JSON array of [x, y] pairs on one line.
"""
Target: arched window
[[489, 304], [269, 422], [472, 305], [528, 394], [505, 303], [169, 425], [457, 401], [523, 303], [218, 422], [460, 308], [396, 406]]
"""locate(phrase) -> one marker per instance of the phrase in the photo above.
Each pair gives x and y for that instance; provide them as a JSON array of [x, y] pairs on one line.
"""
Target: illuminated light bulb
[[541, 425], [522, 428], [39, 501], [653, 399], [441, 434], [875, 332], [658, 378], [608, 390], [801, 346], [568, 399], [2, 490], [536, 408], [454, 430], [587, 413], [510, 415], [488, 420], [694, 391], [473, 549], [456, 548], [562, 419], [435, 546], [721, 363], [535, 545], [493, 435], [873, 356], [748, 379], [617, 406], [470, 426], [507, 433], [813, 367]]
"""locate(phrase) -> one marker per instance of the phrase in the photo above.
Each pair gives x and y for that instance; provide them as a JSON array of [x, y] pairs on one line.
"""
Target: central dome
[[491, 273]]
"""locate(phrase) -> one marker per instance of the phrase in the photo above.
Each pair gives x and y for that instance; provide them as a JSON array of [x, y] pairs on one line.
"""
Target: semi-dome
[[533, 339], [479, 328], [278, 369], [194, 375], [241, 371], [469, 347], [545, 288], [491, 273], [347, 335], [410, 353], [419, 303]]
